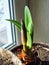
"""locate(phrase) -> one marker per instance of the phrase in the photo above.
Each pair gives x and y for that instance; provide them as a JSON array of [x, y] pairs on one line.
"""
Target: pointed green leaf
[[28, 20], [18, 24], [29, 27]]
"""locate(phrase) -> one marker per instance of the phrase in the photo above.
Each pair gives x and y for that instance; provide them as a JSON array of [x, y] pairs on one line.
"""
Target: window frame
[[13, 30]]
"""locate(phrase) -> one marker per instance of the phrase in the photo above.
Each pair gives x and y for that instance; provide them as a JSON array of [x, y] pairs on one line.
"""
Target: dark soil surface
[[43, 53], [41, 56]]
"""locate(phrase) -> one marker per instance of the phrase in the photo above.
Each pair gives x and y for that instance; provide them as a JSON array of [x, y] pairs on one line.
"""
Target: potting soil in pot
[[41, 56]]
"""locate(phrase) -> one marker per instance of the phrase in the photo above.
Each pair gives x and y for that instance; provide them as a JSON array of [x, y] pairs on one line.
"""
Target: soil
[[40, 55]]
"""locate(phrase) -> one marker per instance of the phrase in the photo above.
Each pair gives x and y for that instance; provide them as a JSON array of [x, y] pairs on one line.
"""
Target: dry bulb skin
[[26, 50], [23, 35]]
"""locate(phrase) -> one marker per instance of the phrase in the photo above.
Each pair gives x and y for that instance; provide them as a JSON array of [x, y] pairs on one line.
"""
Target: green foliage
[[28, 20], [28, 25], [29, 41], [18, 24]]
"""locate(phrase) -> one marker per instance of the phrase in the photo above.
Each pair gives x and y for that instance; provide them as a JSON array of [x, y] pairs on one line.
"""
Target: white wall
[[40, 14], [19, 6]]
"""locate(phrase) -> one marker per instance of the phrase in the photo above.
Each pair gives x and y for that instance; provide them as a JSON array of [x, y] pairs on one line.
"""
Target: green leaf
[[29, 41], [28, 20], [29, 27], [18, 24]]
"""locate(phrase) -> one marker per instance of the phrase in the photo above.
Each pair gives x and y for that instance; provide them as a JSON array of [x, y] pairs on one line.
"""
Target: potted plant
[[31, 53]]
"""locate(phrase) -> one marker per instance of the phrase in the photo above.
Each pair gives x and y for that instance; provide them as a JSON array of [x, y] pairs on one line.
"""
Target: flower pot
[[40, 54], [8, 58]]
